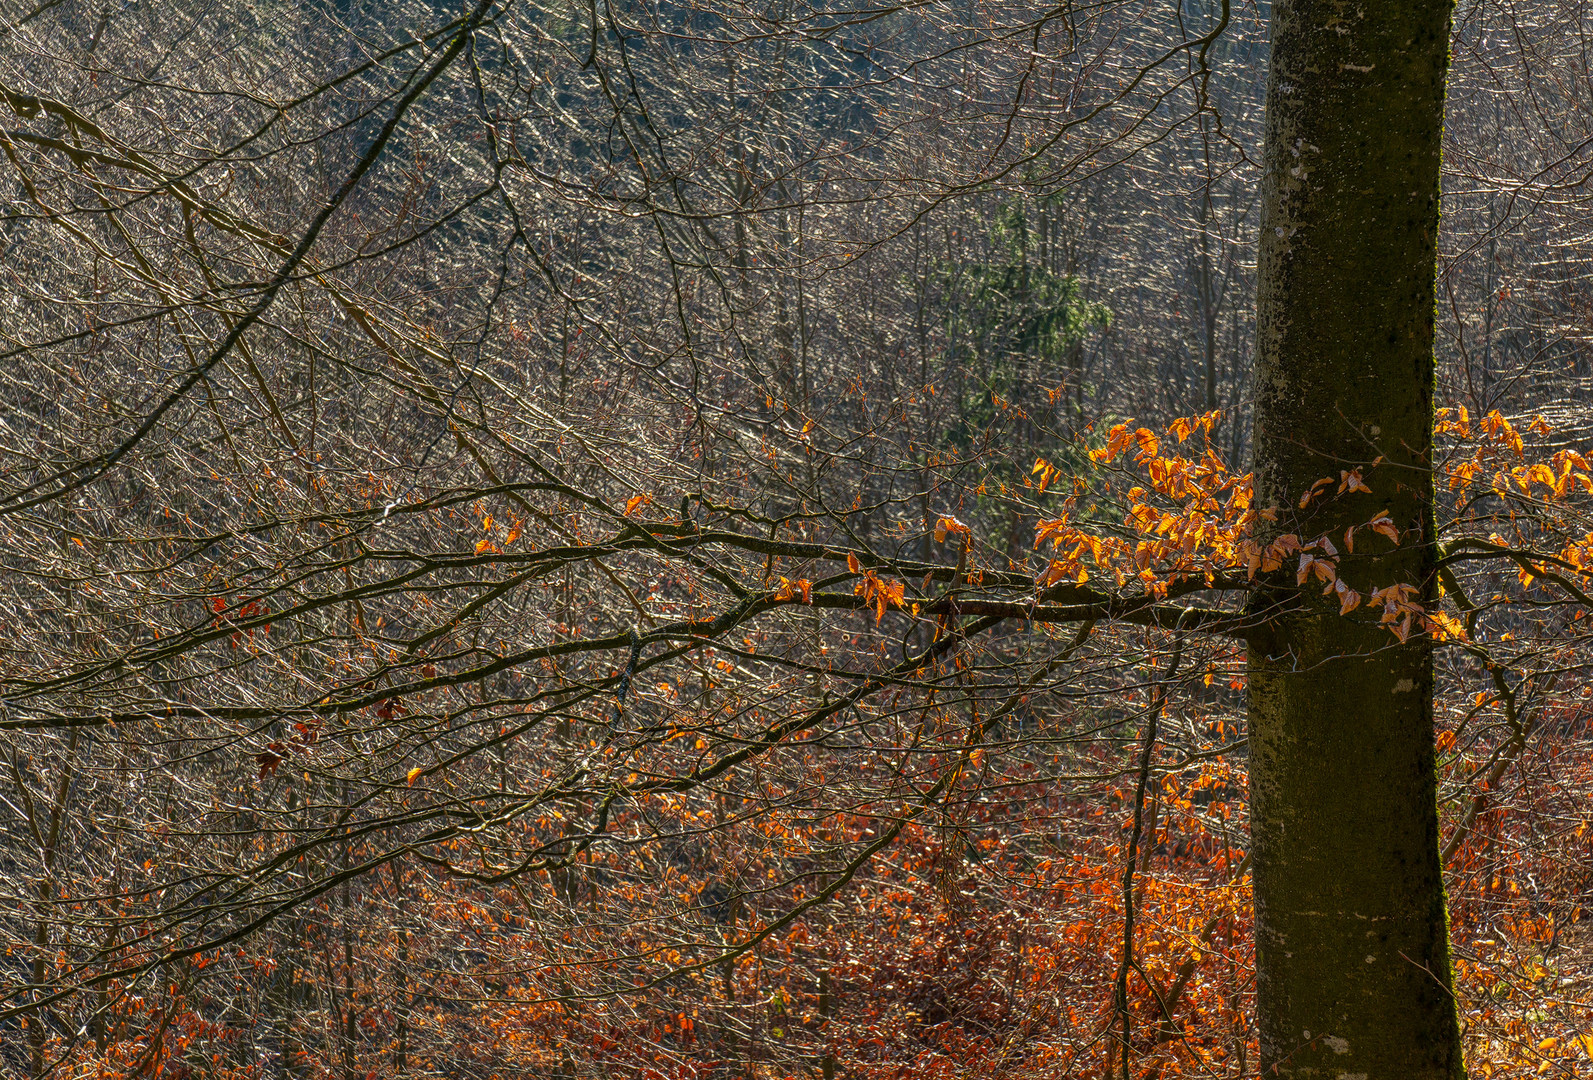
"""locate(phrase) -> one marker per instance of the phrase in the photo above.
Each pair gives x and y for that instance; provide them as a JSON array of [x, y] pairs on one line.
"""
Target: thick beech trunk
[[1351, 932]]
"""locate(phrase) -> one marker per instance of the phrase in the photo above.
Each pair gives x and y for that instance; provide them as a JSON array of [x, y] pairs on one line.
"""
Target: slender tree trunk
[[1351, 931]]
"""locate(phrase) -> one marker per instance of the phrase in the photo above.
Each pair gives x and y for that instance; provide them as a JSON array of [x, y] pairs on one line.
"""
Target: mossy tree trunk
[[1351, 932]]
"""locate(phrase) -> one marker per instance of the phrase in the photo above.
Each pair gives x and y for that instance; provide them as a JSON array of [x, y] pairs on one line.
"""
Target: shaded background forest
[[422, 428]]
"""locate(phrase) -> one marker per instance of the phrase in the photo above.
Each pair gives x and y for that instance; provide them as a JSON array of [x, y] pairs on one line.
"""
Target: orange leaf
[[948, 525], [1305, 500], [268, 759], [1350, 480], [1349, 599], [1117, 440], [1304, 570]]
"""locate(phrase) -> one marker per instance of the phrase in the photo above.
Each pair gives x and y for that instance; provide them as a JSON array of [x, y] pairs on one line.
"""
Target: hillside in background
[[718, 540]]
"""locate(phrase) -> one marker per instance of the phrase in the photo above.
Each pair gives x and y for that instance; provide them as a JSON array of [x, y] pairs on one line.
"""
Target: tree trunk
[[1352, 946]]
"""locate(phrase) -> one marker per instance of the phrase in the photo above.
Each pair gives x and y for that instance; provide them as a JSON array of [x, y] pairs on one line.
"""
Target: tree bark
[[1353, 975]]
